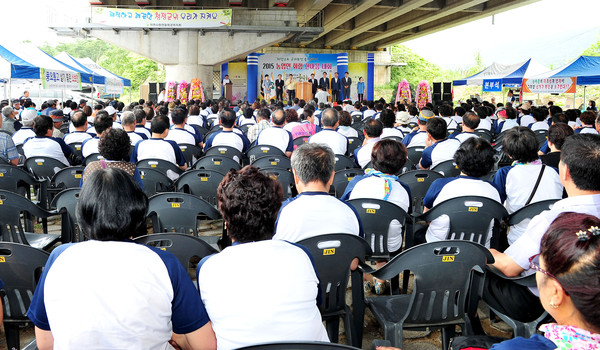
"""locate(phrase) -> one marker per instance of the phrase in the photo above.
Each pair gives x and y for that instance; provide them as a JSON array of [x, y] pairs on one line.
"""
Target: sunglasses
[[534, 263]]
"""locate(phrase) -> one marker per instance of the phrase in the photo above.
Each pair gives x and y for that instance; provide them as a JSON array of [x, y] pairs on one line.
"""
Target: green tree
[[119, 61]]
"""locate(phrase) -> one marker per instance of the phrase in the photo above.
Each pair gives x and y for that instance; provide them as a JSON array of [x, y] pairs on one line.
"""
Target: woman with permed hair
[[241, 313]]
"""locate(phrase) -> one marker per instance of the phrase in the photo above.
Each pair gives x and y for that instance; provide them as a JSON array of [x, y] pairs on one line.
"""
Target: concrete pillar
[[370, 76], [342, 67]]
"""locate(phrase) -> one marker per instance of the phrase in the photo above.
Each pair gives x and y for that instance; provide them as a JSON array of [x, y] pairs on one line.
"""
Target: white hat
[[110, 110], [402, 117], [28, 115]]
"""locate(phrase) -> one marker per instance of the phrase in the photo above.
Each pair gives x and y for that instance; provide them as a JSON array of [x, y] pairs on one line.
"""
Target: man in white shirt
[[44, 145], [179, 133], [102, 122], [328, 136], [439, 148], [112, 112], [314, 212], [276, 135], [470, 122], [419, 136], [157, 147], [224, 82], [140, 122], [128, 123], [372, 132], [26, 131], [80, 124], [579, 171], [321, 96], [226, 136]]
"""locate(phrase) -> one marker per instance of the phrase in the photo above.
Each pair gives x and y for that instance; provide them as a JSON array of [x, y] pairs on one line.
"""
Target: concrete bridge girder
[[188, 54]]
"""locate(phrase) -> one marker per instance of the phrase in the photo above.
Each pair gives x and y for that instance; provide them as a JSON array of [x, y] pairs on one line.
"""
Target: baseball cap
[[28, 115], [83, 100], [426, 114], [110, 110], [57, 115]]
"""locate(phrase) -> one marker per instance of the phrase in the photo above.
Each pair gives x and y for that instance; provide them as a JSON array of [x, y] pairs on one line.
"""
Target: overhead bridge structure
[[296, 26]]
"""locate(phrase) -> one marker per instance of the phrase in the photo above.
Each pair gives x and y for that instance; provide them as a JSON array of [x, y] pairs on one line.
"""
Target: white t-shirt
[[363, 154], [278, 137], [347, 131], [311, 214], [336, 141], [76, 136], [391, 132], [252, 317], [45, 147]]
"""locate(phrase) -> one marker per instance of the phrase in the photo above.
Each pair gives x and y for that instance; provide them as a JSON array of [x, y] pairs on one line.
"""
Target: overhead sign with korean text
[[60, 80], [550, 85], [117, 17], [492, 84]]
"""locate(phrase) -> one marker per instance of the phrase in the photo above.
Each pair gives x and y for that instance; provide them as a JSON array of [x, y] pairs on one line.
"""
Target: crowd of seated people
[[564, 167]]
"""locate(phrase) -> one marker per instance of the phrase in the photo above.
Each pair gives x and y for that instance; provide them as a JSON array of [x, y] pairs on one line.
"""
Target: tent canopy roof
[[510, 74]]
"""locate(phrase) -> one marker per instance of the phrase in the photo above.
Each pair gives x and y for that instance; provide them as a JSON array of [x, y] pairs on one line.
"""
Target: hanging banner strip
[[116, 17], [113, 86], [60, 80], [550, 85]]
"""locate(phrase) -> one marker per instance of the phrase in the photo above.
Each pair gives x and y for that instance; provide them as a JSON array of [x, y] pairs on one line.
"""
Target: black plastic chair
[[281, 162], [259, 151], [225, 151], [342, 162], [376, 216], [92, 158], [217, 163], [155, 181], [65, 203], [299, 141], [184, 247], [200, 129], [244, 128], [529, 211], [20, 150], [201, 183], [43, 168], [414, 153], [443, 272], [332, 255], [298, 346], [285, 178], [76, 148], [489, 176], [484, 134], [392, 137], [419, 181], [542, 136], [15, 179], [470, 217], [165, 167], [190, 152], [341, 180], [20, 269], [353, 144], [447, 168], [12, 206], [412, 125], [176, 212], [68, 177], [520, 329]]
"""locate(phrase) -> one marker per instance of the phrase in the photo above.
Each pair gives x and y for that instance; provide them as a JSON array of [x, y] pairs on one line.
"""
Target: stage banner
[[550, 85], [238, 72], [113, 86], [52, 79], [301, 66], [357, 70], [117, 17], [490, 85]]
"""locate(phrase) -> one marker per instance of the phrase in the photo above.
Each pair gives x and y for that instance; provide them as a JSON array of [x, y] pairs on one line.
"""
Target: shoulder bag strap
[[537, 183]]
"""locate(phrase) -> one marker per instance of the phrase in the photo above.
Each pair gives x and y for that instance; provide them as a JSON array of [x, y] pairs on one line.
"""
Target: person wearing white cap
[[402, 121], [112, 112], [26, 131]]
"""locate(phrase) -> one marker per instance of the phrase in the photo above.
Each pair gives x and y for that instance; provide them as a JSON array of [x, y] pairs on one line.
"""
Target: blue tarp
[[585, 68]]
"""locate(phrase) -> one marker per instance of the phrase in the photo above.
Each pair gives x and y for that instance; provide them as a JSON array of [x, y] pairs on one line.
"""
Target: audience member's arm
[[44, 339], [202, 338], [505, 264]]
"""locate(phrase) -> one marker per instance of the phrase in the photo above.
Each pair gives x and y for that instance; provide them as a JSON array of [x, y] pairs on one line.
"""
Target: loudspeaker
[[152, 87], [161, 86], [447, 88], [436, 96], [437, 88], [447, 96], [153, 97]]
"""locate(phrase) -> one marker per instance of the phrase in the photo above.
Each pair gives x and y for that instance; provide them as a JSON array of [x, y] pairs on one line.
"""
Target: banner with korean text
[[60, 80], [301, 66], [117, 17], [492, 85], [550, 85], [113, 86]]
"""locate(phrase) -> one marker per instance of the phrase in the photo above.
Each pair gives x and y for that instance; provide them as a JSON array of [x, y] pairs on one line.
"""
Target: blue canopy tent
[[509, 74]]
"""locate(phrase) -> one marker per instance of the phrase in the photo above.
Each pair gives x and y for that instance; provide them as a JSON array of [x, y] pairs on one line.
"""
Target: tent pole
[[10, 91], [574, 101], [584, 87]]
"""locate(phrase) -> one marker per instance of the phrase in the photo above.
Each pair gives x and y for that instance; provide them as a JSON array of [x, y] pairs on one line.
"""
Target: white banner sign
[[550, 85], [113, 86], [60, 80], [117, 17]]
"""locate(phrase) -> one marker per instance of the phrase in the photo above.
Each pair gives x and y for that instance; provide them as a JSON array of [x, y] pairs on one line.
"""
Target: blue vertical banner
[[252, 77], [224, 72], [370, 76], [342, 67]]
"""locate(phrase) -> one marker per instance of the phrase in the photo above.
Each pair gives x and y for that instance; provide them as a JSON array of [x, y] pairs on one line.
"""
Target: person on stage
[[360, 88], [335, 88], [279, 83], [290, 85], [225, 81], [267, 87], [314, 82], [346, 84]]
